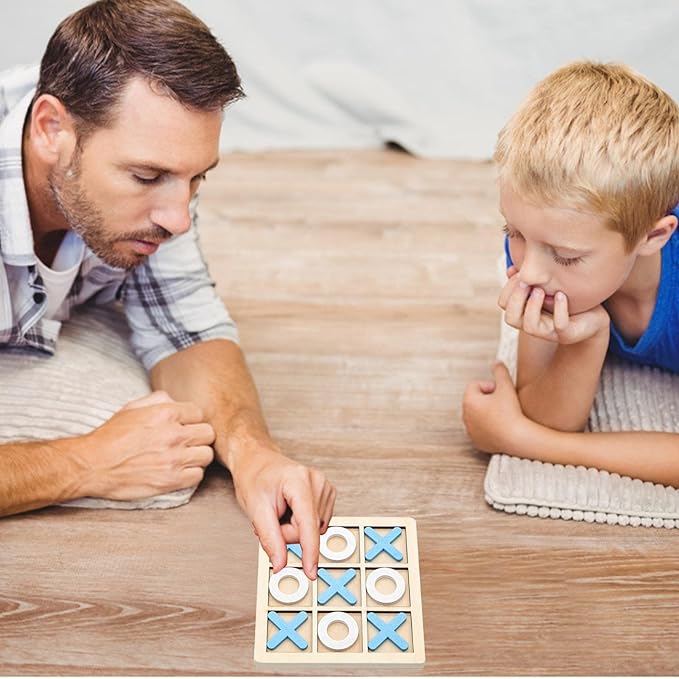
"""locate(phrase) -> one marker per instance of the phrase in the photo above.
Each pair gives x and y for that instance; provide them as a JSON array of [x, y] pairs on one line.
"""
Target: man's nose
[[174, 215]]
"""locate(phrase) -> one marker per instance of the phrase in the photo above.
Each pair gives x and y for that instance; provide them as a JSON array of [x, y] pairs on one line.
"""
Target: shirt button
[[38, 297]]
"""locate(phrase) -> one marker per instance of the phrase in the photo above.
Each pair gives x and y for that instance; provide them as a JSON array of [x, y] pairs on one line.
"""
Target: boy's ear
[[658, 235]]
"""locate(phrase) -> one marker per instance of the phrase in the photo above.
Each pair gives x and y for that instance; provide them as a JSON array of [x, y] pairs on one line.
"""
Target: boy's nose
[[534, 271]]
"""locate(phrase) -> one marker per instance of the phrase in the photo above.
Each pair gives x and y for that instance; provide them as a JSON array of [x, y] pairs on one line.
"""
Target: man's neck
[[47, 222]]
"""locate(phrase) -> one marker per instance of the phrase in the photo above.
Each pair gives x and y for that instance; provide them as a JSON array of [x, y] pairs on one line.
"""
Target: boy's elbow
[[561, 424], [553, 417]]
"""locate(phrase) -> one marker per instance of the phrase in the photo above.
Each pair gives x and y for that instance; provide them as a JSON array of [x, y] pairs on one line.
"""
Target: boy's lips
[[546, 297]]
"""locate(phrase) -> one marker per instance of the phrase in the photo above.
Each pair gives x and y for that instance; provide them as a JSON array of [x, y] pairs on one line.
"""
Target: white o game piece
[[292, 597], [342, 554], [390, 574], [337, 644]]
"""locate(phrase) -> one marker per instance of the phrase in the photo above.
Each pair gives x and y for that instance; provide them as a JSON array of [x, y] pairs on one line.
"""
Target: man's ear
[[52, 132], [658, 235]]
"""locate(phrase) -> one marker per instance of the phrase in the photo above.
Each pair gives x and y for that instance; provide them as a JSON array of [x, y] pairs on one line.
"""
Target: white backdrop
[[439, 77]]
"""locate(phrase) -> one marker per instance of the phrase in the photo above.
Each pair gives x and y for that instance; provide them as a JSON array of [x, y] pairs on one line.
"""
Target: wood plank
[[365, 290]]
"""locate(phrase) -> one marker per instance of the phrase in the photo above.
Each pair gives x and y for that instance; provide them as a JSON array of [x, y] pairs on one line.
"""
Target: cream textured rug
[[628, 398], [92, 375]]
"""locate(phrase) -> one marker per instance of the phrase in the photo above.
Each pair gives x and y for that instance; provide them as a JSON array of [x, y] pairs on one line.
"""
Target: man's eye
[[146, 180]]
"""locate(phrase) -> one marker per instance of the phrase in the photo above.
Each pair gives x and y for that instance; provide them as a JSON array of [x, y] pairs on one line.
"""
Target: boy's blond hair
[[598, 138]]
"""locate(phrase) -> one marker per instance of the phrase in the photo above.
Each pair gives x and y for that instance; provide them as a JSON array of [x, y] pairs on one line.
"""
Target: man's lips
[[145, 247]]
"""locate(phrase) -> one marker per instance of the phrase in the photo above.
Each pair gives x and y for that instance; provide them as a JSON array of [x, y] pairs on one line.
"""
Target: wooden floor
[[364, 287]]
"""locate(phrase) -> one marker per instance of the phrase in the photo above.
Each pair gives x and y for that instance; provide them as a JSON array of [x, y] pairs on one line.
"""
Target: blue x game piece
[[287, 631], [296, 550], [383, 544], [337, 586], [387, 630]]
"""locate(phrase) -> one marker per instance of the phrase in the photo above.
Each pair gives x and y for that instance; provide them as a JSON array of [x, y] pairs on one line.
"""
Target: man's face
[[565, 250], [128, 188]]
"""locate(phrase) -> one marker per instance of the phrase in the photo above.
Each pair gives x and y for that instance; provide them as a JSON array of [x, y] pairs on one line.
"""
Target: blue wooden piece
[[337, 586], [287, 630], [296, 549], [383, 544], [387, 630]]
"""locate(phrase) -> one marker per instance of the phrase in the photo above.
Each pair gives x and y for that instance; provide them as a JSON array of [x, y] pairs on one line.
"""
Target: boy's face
[[128, 189], [557, 249]]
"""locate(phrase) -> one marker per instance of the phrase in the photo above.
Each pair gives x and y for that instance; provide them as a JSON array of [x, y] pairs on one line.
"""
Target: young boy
[[589, 181]]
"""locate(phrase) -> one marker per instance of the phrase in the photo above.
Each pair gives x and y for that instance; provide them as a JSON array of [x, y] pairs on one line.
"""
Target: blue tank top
[[659, 345]]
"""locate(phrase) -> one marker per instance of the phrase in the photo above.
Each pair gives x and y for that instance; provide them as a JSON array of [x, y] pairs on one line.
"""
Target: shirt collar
[[16, 235]]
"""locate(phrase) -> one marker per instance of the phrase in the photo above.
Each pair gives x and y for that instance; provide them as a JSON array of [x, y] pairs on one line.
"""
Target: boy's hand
[[491, 412], [523, 307]]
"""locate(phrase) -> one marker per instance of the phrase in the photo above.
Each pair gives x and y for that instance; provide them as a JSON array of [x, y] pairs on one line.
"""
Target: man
[[99, 171]]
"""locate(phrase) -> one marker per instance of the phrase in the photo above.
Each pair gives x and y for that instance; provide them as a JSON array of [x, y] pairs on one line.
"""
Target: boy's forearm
[[561, 396], [649, 456]]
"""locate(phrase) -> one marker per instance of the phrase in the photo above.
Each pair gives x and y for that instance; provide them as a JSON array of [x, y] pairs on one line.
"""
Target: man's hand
[[153, 445], [269, 484], [492, 413], [524, 309]]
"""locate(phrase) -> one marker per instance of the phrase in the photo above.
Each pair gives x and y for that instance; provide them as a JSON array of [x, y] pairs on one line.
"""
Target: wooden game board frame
[[413, 658]]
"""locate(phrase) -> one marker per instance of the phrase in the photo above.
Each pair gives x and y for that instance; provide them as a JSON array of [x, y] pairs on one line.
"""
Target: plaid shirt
[[169, 300]]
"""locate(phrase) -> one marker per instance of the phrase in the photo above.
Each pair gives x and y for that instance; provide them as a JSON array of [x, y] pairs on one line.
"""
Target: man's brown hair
[[94, 52]]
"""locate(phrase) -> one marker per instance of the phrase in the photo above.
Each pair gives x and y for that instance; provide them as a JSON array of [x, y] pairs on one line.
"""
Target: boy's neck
[[631, 306], [642, 283]]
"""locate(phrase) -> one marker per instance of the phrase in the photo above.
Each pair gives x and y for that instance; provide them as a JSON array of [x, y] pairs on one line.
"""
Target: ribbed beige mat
[[629, 397], [92, 375]]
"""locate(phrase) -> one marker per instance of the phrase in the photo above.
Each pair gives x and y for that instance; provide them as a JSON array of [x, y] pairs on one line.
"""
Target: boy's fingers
[[506, 292], [532, 315], [515, 305], [502, 377], [486, 386], [560, 315]]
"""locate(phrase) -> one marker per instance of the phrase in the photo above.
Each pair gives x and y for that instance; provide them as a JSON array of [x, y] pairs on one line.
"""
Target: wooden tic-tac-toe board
[[365, 606]]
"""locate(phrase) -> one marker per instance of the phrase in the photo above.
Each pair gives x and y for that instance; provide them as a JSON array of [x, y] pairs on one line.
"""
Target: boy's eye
[[566, 261], [511, 233]]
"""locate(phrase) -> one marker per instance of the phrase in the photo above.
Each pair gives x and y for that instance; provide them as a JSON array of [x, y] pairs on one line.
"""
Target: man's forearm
[[561, 396], [40, 473], [649, 456], [215, 376]]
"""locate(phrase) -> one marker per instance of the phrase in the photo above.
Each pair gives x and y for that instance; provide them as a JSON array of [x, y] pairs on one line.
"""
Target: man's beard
[[88, 222]]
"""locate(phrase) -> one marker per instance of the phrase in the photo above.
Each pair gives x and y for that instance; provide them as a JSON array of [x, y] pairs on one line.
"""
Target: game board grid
[[315, 608], [409, 564]]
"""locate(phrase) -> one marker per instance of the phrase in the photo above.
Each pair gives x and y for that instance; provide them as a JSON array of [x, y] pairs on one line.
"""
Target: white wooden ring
[[292, 597], [390, 574], [341, 554], [337, 644]]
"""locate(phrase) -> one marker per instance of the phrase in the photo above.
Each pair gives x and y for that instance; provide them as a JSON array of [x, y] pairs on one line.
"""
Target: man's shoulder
[[15, 83]]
